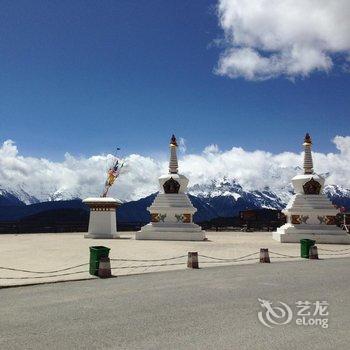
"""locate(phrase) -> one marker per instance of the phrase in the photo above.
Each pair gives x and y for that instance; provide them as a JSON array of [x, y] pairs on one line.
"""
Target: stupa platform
[[171, 232], [329, 235]]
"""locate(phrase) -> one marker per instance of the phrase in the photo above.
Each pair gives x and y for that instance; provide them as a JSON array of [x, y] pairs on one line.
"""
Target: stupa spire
[[308, 165], [173, 164]]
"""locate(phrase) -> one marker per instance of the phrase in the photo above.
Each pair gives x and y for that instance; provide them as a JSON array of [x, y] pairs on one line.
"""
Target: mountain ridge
[[219, 198]]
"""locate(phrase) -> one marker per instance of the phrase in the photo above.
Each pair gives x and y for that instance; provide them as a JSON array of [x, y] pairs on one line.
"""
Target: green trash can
[[305, 245], [96, 253]]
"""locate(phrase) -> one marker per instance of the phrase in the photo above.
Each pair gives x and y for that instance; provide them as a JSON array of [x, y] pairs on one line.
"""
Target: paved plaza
[[53, 253]]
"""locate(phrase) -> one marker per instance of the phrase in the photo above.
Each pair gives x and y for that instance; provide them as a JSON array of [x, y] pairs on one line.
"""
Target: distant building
[[261, 219]]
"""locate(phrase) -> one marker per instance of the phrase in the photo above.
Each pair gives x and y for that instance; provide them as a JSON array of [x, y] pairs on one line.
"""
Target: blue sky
[[86, 76]]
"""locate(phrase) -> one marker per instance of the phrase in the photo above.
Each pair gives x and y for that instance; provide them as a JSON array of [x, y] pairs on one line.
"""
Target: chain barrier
[[335, 251], [136, 266], [42, 272], [215, 260], [225, 262], [151, 260], [335, 254], [227, 259], [283, 255], [37, 277]]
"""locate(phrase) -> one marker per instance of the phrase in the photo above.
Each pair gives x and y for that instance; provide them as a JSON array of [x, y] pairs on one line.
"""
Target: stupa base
[[326, 235], [185, 232], [102, 235]]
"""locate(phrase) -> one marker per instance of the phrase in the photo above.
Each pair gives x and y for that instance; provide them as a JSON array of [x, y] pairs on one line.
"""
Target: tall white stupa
[[172, 211], [310, 214]]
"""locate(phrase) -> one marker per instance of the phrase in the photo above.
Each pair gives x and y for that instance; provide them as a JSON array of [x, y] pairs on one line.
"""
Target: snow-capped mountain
[[224, 198], [62, 194], [227, 198], [16, 197], [338, 195], [42, 195]]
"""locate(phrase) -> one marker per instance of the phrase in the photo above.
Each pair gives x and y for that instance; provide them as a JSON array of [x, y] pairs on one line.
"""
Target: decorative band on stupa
[[102, 206]]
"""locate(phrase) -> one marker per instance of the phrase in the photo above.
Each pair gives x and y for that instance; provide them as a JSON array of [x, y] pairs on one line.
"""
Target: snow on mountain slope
[[338, 195], [8, 199], [16, 197], [227, 198], [220, 197]]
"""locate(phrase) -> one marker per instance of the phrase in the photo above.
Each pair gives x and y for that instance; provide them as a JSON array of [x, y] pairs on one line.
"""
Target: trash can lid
[[306, 240], [99, 247]]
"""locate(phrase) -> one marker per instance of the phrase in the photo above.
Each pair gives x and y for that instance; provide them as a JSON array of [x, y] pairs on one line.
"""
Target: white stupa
[[172, 211], [310, 214]]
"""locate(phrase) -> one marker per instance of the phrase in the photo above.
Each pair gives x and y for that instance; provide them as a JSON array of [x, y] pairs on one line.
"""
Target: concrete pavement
[[213, 308]]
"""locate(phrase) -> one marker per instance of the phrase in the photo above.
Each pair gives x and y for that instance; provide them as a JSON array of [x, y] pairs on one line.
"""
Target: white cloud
[[73, 176], [182, 145], [268, 38], [84, 177]]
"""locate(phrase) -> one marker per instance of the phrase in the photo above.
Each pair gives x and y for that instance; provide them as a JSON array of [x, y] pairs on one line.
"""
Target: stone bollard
[[313, 254], [192, 261], [104, 267], [264, 255]]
